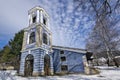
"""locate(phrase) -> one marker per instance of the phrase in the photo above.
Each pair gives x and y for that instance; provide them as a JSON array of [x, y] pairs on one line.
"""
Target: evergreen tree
[[6, 54], [11, 52], [16, 43]]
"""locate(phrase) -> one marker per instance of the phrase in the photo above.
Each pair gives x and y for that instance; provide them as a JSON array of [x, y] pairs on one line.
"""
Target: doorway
[[29, 60], [47, 64]]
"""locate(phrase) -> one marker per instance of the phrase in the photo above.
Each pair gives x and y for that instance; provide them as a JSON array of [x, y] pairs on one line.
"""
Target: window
[[45, 38], [34, 19], [64, 67], [63, 58], [62, 52], [44, 20], [32, 38]]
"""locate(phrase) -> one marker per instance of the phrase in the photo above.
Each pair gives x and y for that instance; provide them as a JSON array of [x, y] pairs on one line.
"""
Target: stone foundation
[[51, 73], [36, 74], [42, 73], [21, 74]]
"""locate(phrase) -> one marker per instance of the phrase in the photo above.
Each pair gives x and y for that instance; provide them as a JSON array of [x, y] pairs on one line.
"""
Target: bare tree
[[105, 35]]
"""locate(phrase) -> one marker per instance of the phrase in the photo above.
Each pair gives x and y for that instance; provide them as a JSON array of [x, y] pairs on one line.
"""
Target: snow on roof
[[70, 49]]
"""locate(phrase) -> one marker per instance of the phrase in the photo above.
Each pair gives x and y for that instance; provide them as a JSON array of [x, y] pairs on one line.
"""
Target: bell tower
[[37, 45], [37, 34]]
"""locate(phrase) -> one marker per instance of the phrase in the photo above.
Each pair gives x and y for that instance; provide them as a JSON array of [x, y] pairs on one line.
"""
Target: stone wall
[[38, 65]]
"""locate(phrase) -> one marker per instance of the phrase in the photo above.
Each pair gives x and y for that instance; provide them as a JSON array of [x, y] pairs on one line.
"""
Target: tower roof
[[38, 8]]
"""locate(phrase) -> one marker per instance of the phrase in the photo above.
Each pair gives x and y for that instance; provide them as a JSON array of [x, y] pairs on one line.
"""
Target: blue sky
[[69, 27]]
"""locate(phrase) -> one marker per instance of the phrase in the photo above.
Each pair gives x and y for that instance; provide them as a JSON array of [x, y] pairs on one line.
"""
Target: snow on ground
[[106, 73]]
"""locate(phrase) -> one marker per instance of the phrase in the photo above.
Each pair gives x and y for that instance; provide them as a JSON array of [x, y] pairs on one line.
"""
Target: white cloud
[[65, 27]]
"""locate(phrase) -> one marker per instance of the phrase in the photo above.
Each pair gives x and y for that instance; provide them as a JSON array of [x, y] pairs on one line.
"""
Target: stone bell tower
[[37, 45], [37, 33]]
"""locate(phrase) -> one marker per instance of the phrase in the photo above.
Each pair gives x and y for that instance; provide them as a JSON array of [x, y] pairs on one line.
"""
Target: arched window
[[34, 19], [32, 38], [47, 64], [29, 57], [45, 20], [28, 68], [45, 38]]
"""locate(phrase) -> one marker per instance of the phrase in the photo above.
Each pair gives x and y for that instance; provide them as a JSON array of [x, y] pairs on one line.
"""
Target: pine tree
[[11, 52]]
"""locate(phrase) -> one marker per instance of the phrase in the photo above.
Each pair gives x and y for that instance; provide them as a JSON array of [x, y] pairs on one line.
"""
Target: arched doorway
[[47, 64], [28, 65]]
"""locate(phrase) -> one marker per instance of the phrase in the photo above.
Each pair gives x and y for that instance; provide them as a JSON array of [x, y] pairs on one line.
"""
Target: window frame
[[63, 58], [44, 20], [62, 52], [64, 67], [34, 19], [45, 38], [32, 38]]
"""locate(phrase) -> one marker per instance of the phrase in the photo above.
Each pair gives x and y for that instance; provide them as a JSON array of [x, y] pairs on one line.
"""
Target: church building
[[40, 57]]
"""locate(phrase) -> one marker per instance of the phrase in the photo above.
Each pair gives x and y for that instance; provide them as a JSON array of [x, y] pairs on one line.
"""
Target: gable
[[81, 51]]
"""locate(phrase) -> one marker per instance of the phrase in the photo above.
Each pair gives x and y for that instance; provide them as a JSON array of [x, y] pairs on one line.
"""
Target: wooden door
[[28, 65], [47, 65]]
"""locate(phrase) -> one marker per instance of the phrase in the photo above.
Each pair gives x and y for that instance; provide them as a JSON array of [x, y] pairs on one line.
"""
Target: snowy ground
[[107, 73]]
